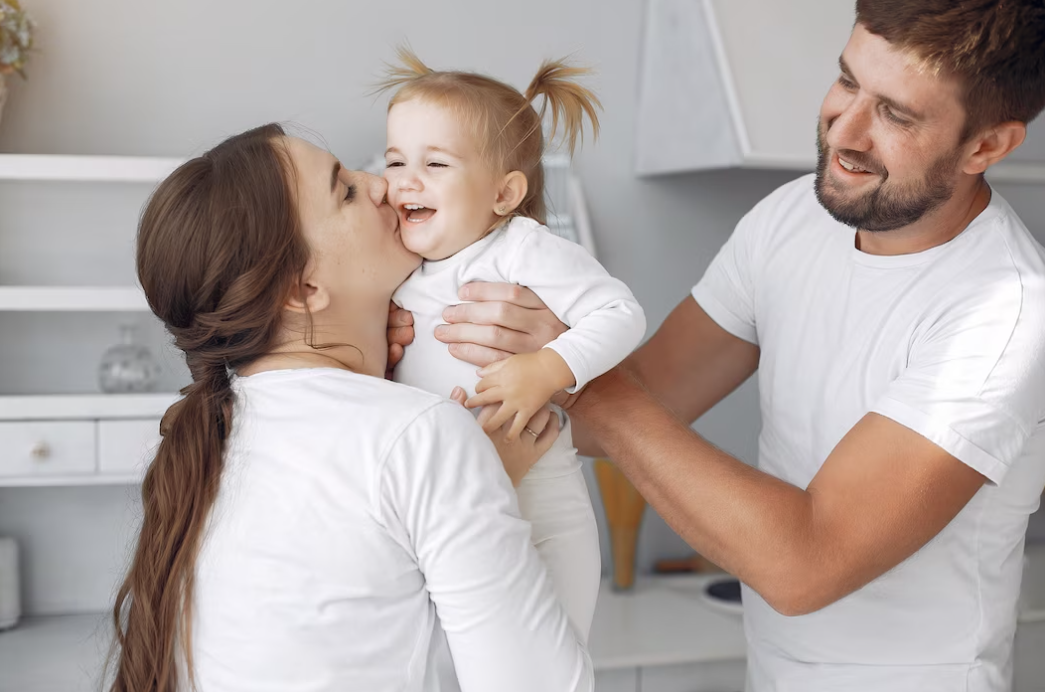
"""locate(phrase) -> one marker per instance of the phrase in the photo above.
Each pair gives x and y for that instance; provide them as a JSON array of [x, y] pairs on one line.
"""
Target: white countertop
[[661, 621]]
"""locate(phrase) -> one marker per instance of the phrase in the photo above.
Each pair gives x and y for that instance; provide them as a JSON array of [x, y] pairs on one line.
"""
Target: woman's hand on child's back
[[520, 454], [400, 335]]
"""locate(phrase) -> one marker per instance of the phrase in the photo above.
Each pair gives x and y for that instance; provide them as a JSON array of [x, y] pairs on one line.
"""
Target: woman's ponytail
[[219, 249]]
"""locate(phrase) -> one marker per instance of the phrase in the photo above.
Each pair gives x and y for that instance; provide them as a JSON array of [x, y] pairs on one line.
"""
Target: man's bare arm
[[882, 494], [690, 364]]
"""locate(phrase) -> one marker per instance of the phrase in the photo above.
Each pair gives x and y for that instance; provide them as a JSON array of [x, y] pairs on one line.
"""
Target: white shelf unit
[[105, 169], [43, 407], [55, 440], [88, 439], [72, 299]]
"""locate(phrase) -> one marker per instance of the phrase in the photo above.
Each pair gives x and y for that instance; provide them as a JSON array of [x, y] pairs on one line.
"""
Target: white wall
[[166, 78]]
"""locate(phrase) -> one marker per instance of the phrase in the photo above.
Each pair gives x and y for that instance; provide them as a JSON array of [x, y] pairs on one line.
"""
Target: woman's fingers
[[398, 317], [458, 395], [502, 416], [544, 441], [518, 424], [539, 421]]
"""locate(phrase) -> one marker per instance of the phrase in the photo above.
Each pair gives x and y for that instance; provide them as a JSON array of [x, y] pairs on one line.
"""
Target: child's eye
[[393, 164], [435, 164]]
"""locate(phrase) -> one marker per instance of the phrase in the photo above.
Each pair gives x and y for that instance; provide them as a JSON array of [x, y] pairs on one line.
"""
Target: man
[[894, 308]]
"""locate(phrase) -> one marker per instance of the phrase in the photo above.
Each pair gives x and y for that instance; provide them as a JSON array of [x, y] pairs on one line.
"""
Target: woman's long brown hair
[[219, 249]]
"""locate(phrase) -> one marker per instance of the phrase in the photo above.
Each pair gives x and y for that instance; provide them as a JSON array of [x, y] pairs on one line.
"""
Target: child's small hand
[[522, 384], [518, 455]]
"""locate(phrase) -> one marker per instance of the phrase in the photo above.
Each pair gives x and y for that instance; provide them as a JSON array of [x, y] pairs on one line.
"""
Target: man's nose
[[851, 128]]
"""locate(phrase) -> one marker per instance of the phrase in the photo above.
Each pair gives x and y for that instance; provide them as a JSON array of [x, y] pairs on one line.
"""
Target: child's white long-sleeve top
[[606, 322]]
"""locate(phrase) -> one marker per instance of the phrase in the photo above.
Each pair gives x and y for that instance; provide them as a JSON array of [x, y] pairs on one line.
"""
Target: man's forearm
[[752, 524]]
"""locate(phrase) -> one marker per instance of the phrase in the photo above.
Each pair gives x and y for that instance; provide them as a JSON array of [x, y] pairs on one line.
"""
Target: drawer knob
[[40, 451]]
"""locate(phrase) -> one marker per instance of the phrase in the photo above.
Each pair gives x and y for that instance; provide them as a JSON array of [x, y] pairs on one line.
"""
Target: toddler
[[464, 174]]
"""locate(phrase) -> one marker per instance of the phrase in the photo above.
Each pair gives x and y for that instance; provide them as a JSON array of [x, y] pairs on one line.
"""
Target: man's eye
[[889, 114], [846, 83]]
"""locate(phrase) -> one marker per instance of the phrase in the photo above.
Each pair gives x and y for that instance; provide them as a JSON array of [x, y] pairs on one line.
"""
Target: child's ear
[[511, 194]]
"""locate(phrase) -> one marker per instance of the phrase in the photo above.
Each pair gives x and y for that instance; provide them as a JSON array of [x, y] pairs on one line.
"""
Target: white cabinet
[[48, 435], [740, 82], [46, 449], [125, 447], [100, 439]]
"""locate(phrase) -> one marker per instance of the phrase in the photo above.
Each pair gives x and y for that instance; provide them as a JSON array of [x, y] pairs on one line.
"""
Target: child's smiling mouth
[[417, 213]]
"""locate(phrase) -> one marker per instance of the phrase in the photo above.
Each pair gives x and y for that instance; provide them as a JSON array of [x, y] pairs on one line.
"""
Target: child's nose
[[410, 181]]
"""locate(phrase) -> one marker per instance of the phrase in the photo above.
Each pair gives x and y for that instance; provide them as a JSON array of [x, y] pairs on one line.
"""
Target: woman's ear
[[306, 293], [511, 193], [994, 145]]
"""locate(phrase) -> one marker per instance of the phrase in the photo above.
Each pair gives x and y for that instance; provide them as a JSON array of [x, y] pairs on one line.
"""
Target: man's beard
[[887, 206]]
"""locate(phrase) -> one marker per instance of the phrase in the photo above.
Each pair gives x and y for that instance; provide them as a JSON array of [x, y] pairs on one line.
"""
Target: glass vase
[[128, 367]]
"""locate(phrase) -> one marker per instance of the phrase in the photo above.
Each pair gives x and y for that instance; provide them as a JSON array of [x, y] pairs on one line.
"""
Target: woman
[[305, 519]]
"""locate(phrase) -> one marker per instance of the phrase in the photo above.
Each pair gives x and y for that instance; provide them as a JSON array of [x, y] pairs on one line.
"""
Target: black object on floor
[[727, 590]]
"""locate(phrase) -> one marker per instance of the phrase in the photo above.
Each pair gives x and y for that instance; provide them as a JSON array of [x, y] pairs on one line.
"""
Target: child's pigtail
[[569, 101], [409, 68]]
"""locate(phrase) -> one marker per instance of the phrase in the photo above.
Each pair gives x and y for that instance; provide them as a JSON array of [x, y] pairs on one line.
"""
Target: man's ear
[[306, 293], [511, 193], [993, 145]]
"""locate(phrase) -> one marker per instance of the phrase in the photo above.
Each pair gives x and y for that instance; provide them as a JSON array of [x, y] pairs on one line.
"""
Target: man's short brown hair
[[995, 47]]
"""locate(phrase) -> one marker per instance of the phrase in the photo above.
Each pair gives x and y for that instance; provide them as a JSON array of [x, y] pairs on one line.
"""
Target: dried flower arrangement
[[16, 37]]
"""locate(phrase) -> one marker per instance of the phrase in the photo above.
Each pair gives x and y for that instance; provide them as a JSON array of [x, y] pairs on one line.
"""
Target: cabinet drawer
[[47, 448], [127, 446]]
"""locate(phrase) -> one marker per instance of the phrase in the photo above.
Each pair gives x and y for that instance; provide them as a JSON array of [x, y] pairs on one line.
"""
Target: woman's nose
[[377, 189]]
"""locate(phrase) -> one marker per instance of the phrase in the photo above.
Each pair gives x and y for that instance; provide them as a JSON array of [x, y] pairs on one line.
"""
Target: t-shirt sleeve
[[605, 321], [727, 291], [975, 380], [444, 485]]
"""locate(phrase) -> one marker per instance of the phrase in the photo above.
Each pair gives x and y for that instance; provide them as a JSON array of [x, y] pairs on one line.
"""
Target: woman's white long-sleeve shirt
[[606, 322], [352, 514]]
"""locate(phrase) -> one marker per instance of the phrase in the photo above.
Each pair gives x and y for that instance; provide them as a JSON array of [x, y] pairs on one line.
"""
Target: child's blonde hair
[[503, 120]]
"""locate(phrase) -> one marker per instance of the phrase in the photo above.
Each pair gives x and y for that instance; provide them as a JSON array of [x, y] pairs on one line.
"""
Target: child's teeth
[[413, 207]]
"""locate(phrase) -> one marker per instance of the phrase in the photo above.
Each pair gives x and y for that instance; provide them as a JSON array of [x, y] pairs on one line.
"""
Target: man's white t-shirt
[[949, 342], [357, 519]]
